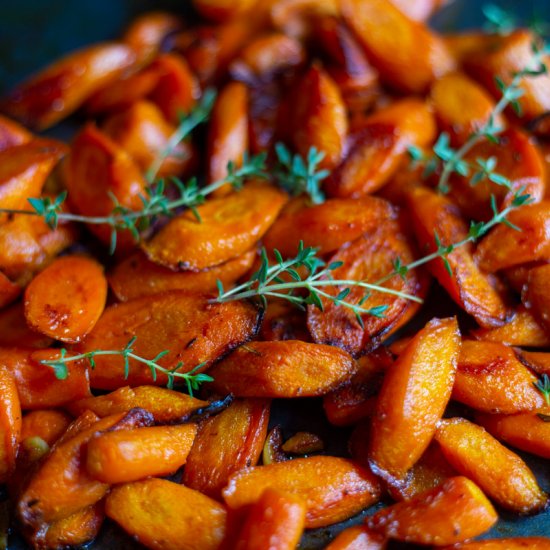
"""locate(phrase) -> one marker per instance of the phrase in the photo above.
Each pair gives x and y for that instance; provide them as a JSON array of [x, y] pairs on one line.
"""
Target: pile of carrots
[[370, 85]]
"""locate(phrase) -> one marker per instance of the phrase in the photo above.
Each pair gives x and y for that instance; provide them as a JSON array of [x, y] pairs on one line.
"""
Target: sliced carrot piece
[[499, 472], [520, 543], [518, 276], [491, 379], [10, 422], [59, 89], [318, 116], [230, 227], [131, 455], [270, 369], [297, 18], [194, 330], [537, 294], [453, 512], [164, 515], [61, 486], [142, 132], [369, 258], [275, 521], [24, 169], [165, 405], [47, 424], [227, 443], [505, 247], [522, 330], [12, 133], [177, 89], [358, 537], [539, 361], [346, 489], [136, 276], [461, 106], [435, 217], [37, 384], [528, 431], [66, 299], [228, 131], [325, 226], [396, 45], [14, 330], [414, 394], [96, 169]]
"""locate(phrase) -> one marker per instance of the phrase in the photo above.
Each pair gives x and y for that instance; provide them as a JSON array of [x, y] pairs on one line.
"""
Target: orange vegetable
[[66, 299], [358, 537], [130, 455], [368, 259], [96, 168], [136, 276], [419, 10], [283, 321], [10, 423], [520, 543], [12, 133], [491, 379], [14, 330], [230, 227], [303, 443], [275, 521], [505, 247], [194, 330], [318, 117], [526, 431], [499, 472], [222, 10], [346, 488], [227, 443], [378, 147], [47, 424], [165, 405], [432, 215], [24, 169], [325, 226], [296, 17], [282, 369], [537, 294], [143, 133], [407, 54], [191, 520], [539, 361], [228, 131], [453, 512], [9, 291], [414, 394], [37, 385], [59, 89]]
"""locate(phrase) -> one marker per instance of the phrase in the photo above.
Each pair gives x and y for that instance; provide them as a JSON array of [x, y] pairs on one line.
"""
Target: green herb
[[191, 378], [267, 282], [297, 176], [498, 20], [156, 203], [187, 124], [543, 385]]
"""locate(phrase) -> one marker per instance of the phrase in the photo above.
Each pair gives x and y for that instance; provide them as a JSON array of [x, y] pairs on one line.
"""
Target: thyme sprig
[[192, 379], [450, 160], [543, 385], [298, 176], [155, 203], [187, 124], [268, 282]]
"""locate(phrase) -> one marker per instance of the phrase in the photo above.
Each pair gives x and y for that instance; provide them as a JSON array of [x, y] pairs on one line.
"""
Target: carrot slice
[[520, 543], [346, 489], [358, 537], [491, 379], [396, 45], [47, 424], [230, 227], [167, 516], [453, 512], [14, 330], [499, 472], [59, 89], [12, 133], [10, 422], [136, 276], [435, 217], [66, 299], [131, 455], [537, 294], [227, 443], [539, 361], [275, 521], [269, 369], [194, 330], [414, 394]]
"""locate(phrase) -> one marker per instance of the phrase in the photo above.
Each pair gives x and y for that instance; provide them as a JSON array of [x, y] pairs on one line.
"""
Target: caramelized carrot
[[358, 537], [537, 294], [12, 133], [10, 422], [47, 424]]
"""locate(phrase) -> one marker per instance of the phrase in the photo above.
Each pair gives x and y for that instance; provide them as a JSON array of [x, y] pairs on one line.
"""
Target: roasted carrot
[[48, 424], [10, 419]]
